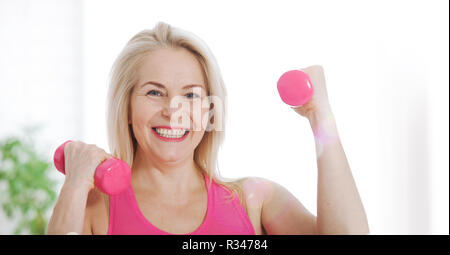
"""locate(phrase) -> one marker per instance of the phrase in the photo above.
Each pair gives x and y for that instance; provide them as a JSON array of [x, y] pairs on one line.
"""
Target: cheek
[[200, 118], [197, 137], [197, 114], [142, 111]]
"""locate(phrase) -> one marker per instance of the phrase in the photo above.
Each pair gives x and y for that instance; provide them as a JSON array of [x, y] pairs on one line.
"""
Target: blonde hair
[[123, 78]]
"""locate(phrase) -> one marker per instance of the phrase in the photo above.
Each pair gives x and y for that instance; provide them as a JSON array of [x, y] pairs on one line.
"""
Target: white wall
[[40, 73], [386, 66]]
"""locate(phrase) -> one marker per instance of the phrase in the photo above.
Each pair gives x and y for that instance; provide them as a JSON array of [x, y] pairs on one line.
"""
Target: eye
[[154, 93], [192, 95]]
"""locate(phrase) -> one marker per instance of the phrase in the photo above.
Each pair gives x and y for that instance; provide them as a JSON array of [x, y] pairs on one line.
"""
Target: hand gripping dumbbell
[[112, 176], [295, 88]]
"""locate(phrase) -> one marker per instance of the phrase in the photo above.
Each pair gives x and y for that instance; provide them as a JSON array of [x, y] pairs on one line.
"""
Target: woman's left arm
[[339, 207]]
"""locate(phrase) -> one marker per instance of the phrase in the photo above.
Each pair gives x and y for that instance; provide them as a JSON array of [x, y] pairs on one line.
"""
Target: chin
[[170, 156]]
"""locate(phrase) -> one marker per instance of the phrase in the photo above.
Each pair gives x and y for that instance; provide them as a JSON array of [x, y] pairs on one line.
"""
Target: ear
[[209, 126]]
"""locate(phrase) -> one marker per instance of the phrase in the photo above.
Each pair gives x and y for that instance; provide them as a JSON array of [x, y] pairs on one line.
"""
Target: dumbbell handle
[[112, 176]]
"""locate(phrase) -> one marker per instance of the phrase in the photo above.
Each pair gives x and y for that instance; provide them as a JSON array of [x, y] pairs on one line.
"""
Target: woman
[[175, 187]]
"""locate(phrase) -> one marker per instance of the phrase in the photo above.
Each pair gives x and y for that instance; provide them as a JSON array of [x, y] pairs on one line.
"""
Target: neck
[[165, 178]]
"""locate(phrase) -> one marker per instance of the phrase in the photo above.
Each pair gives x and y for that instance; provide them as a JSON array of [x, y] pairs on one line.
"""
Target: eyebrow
[[163, 87]]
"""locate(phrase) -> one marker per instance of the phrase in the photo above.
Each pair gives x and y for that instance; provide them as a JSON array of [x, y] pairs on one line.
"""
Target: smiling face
[[164, 112]]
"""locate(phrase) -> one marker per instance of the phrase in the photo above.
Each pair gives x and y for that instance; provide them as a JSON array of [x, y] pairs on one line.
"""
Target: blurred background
[[386, 67]]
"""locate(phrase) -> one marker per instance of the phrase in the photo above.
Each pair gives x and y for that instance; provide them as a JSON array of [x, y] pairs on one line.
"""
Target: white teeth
[[170, 133]]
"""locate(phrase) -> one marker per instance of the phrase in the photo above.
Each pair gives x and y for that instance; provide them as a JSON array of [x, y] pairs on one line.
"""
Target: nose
[[176, 110], [169, 110]]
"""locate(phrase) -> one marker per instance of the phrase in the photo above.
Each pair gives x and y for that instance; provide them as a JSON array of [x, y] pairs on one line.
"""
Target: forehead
[[171, 67]]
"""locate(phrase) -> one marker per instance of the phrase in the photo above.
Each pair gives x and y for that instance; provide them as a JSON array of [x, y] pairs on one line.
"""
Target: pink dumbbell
[[112, 176], [295, 88]]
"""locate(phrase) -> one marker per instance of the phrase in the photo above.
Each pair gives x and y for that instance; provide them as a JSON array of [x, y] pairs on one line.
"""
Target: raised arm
[[70, 211], [339, 207]]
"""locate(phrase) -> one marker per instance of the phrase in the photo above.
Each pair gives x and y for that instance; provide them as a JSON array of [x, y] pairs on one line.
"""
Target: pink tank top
[[223, 216]]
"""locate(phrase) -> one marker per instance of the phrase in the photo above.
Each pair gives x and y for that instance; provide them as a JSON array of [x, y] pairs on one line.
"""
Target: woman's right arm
[[70, 213]]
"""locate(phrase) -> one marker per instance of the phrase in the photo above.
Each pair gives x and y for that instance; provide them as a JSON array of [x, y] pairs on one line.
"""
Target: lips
[[170, 134]]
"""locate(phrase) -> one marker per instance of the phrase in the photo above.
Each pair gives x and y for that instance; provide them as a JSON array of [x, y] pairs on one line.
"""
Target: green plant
[[26, 190]]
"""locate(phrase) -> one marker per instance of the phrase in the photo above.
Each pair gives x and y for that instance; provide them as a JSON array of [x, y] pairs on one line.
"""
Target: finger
[[307, 70]]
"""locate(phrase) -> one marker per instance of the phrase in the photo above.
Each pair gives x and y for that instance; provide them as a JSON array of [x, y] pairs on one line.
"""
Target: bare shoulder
[[96, 216], [253, 184], [280, 211], [255, 190], [263, 191]]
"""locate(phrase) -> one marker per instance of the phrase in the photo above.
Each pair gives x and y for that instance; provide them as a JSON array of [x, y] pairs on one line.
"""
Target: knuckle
[[92, 148], [98, 153], [314, 68], [74, 146], [68, 146], [318, 68]]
